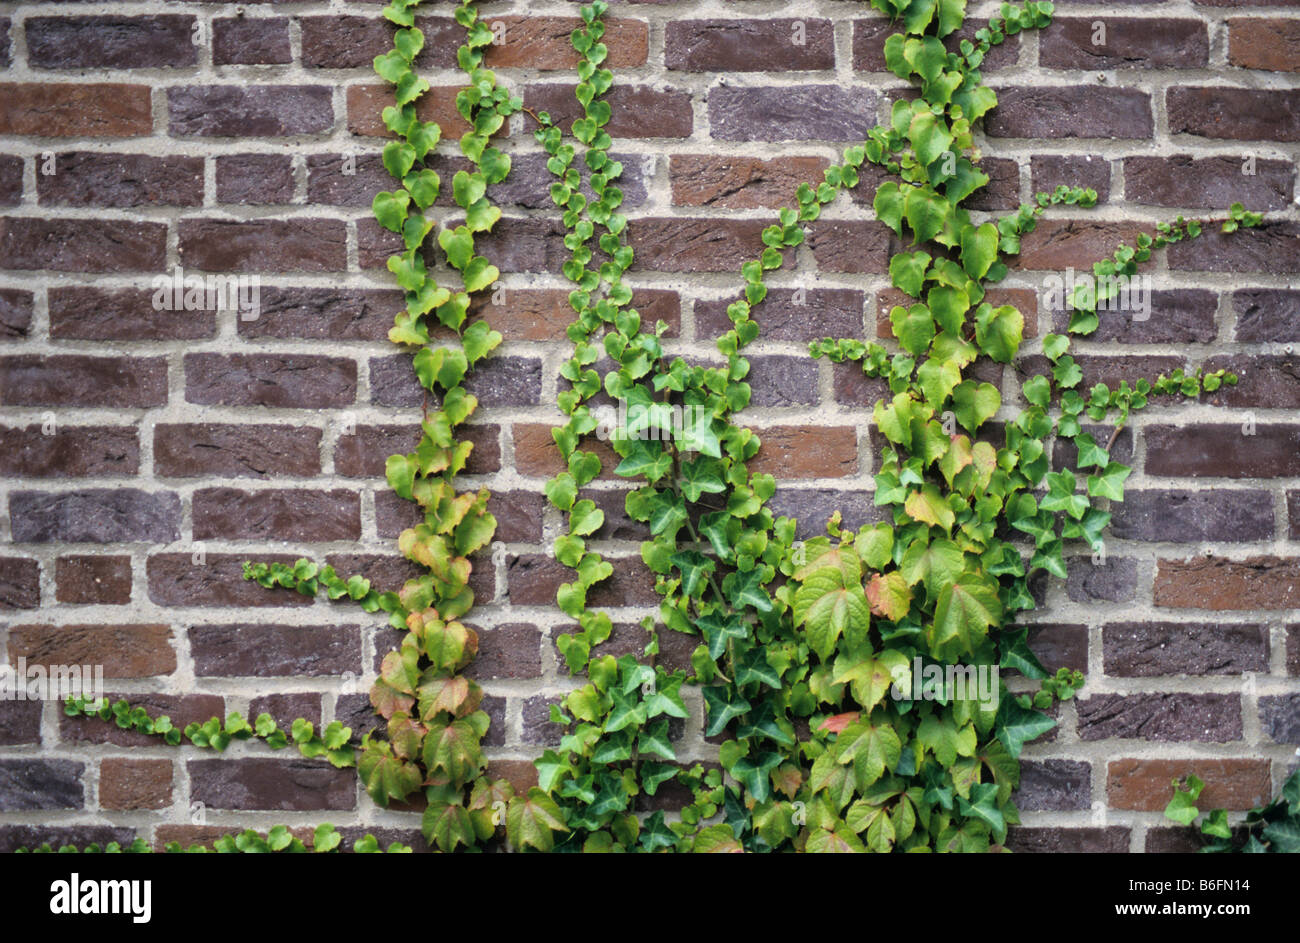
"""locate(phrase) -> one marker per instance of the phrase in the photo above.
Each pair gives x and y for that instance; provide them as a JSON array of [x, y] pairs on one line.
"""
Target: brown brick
[[1129, 43], [124, 651], [182, 710], [522, 245], [15, 313], [1071, 112], [301, 381], [1207, 718], [508, 651], [339, 314], [1219, 516], [1262, 582], [134, 785], [298, 785], [298, 245], [783, 381], [738, 182], [1060, 646], [521, 774], [807, 452], [110, 42], [1267, 381], [638, 111], [255, 178], [197, 450], [733, 45], [11, 180], [790, 113], [261, 41], [214, 580], [1054, 786], [542, 43], [270, 651], [1267, 315], [1210, 182], [5, 59], [1202, 450], [84, 178], [20, 722], [869, 37], [123, 314], [1239, 114], [107, 109], [20, 583], [69, 452], [96, 515], [1271, 43], [352, 42], [280, 514], [365, 104], [82, 578], [82, 245], [1112, 840], [1279, 716], [78, 380], [1144, 785], [363, 454], [533, 580], [857, 246], [825, 312], [1178, 316], [230, 111], [500, 381], [286, 708], [29, 783], [1058, 244], [1049, 171], [1273, 248]]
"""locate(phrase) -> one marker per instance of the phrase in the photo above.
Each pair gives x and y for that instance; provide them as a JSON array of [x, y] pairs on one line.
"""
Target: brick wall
[[144, 454]]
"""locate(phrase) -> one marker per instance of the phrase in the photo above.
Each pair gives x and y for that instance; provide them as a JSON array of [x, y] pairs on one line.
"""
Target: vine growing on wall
[[834, 671]]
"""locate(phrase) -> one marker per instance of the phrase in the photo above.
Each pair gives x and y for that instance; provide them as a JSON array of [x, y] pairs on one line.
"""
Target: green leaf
[[907, 271], [999, 331], [974, 404], [965, 611], [979, 250]]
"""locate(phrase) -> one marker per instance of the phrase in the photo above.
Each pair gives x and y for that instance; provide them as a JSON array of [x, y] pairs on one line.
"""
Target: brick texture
[[147, 450]]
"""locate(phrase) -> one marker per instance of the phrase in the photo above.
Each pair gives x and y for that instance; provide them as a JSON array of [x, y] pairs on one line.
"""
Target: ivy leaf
[[935, 564], [722, 705], [930, 138], [926, 213], [1016, 725], [930, 507], [828, 608], [907, 271], [999, 331], [889, 595], [533, 820], [941, 735], [979, 250], [871, 748], [390, 209], [963, 614], [1110, 483], [974, 404]]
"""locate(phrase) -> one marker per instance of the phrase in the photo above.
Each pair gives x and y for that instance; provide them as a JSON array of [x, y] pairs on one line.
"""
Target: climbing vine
[[851, 680]]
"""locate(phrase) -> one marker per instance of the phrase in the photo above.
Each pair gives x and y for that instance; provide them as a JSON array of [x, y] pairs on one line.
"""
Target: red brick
[[807, 452], [20, 583], [1129, 43], [1145, 785], [1071, 112], [122, 314], [69, 452], [108, 109], [278, 514], [737, 182], [214, 580], [1203, 450], [1211, 182], [134, 785], [1238, 114], [110, 42], [79, 380], [261, 245], [124, 651], [1215, 583], [102, 580], [255, 178], [82, 245], [734, 45], [1271, 43], [199, 450]]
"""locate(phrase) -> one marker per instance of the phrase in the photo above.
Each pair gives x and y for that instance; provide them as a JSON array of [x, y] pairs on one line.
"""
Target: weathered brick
[[798, 113], [102, 580], [286, 708], [82, 245], [1060, 646], [1206, 718], [734, 45], [813, 507], [15, 313], [1267, 315], [807, 452], [255, 178], [1058, 244], [282, 514], [260, 41], [269, 651], [362, 454], [500, 381], [534, 578], [1293, 514], [1271, 43], [31, 783], [301, 381], [88, 178], [123, 314], [14, 837], [213, 580], [20, 723], [105, 109], [11, 180], [110, 42], [679, 244], [134, 785], [1002, 192], [342, 314], [1273, 248], [1220, 516], [1177, 316], [1279, 716], [20, 583], [297, 785], [1054, 786], [1110, 370], [352, 42], [69, 452], [824, 312], [202, 450], [231, 111], [181, 709], [299, 245], [5, 58], [1042, 840], [1205, 450], [1210, 182], [519, 245], [1113, 581], [857, 246], [542, 42], [98, 515], [783, 381], [1144, 784], [740, 182], [1071, 112], [365, 104], [1049, 171], [124, 651], [536, 454], [638, 111], [1261, 582], [508, 651], [1238, 114], [869, 37], [1125, 42], [1268, 381]]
